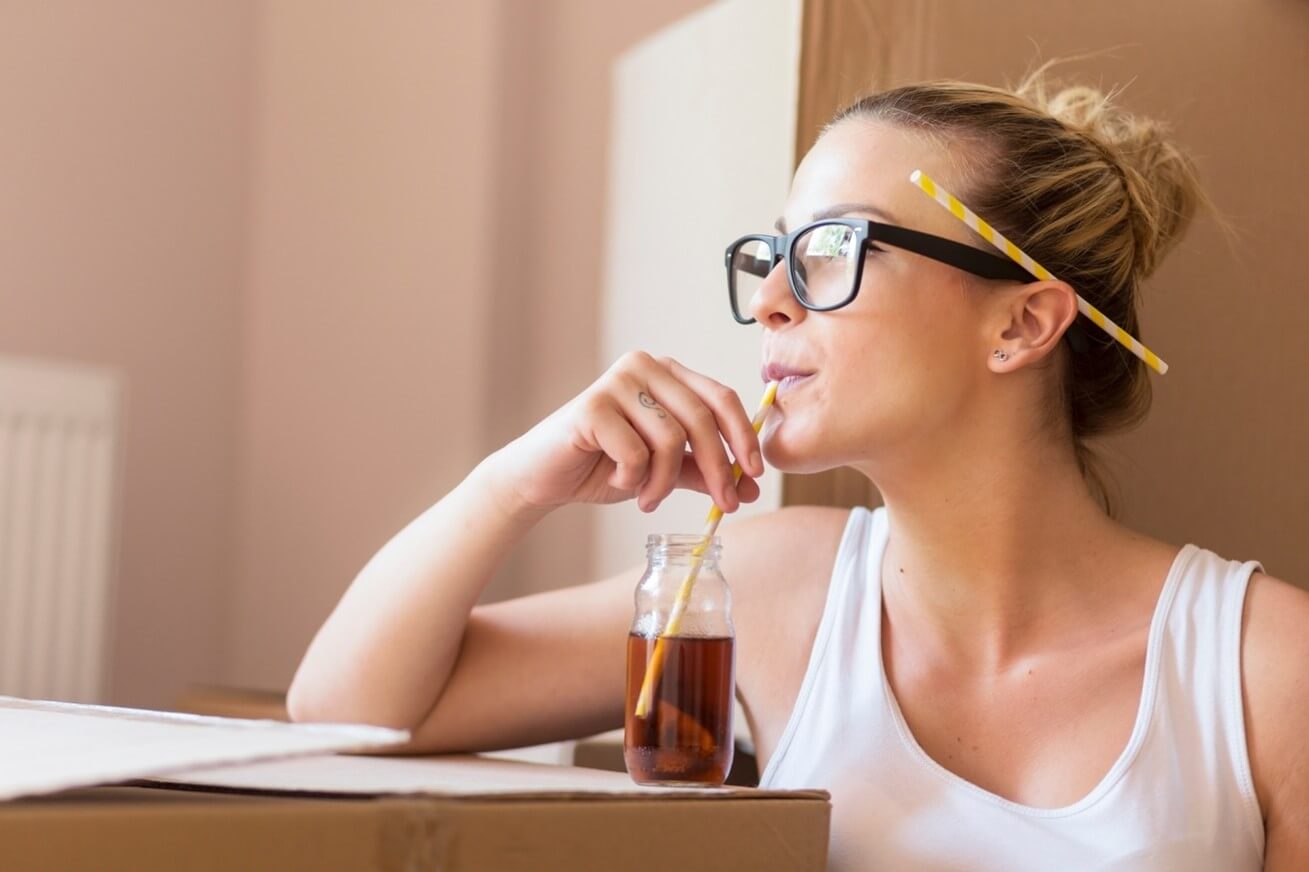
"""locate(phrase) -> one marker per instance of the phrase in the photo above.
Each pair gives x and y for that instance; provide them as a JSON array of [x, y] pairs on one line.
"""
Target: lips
[[782, 371]]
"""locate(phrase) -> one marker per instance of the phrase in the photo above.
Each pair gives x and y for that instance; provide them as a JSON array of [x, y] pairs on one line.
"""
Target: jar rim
[[680, 540], [682, 546]]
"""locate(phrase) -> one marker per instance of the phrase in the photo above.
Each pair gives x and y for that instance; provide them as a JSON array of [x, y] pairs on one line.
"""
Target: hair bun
[[1160, 180]]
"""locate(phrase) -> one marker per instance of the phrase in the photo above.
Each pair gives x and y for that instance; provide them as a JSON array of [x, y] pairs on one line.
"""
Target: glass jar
[[678, 723]]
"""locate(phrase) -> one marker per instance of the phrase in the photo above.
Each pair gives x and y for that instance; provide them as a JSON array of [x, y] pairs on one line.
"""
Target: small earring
[[999, 354]]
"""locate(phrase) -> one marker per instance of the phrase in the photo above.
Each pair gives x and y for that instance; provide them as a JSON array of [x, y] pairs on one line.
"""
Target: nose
[[773, 305]]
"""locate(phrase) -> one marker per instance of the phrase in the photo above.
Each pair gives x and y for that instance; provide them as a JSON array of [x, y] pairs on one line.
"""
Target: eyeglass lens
[[824, 266]]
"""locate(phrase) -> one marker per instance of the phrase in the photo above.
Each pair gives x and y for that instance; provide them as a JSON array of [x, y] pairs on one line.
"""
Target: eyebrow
[[839, 210]]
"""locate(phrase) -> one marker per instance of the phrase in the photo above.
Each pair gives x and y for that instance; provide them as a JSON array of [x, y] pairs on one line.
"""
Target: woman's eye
[[872, 248]]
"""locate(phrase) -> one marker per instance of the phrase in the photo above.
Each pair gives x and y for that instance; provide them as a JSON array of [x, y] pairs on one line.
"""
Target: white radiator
[[59, 436]]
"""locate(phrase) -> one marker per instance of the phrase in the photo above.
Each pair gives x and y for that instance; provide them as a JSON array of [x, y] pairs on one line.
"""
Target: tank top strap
[[843, 637], [1200, 682]]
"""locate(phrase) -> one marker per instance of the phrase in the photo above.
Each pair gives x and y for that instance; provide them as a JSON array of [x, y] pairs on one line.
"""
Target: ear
[[1030, 323]]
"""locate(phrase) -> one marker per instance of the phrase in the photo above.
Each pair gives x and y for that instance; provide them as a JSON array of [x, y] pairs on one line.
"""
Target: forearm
[[387, 650]]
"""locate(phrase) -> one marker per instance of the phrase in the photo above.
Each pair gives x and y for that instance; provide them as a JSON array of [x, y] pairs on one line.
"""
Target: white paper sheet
[[463, 776], [51, 746], [447, 775]]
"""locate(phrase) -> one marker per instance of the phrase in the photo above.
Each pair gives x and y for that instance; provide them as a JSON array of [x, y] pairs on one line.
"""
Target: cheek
[[895, 368], [906, 367], [923, 326]]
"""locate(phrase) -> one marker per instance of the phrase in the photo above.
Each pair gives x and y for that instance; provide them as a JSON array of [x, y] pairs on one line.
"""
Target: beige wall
[[280, 220], [367, 316], [392, 339], [122, 233]]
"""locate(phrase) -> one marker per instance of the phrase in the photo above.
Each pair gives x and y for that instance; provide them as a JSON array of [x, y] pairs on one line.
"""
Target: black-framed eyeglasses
[[825, 261]]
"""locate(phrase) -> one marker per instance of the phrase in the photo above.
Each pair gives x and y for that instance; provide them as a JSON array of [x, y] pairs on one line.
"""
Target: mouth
[[788, 377], [789, 383]]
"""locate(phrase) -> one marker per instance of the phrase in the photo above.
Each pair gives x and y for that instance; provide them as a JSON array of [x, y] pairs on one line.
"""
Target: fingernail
[[756, 462]]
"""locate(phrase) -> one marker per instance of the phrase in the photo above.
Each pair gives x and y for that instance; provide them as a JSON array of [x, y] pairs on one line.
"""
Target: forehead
[[861, 161]]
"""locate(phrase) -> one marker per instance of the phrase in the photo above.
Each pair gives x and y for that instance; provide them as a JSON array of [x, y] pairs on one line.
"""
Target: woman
[[989, 671]]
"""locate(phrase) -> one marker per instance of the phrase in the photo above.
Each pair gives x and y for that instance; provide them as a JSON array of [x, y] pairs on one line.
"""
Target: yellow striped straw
[[1016, 254], [645, 699]]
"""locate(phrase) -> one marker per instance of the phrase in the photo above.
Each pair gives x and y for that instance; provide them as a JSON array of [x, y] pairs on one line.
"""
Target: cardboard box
[[116, 829], [347, 812]]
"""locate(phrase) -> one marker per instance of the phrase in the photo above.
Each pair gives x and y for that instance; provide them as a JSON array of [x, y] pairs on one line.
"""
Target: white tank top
[[1179, 797]]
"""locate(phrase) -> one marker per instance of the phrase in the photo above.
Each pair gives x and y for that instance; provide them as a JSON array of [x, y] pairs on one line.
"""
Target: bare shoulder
[[1275, 681], [776, 548]]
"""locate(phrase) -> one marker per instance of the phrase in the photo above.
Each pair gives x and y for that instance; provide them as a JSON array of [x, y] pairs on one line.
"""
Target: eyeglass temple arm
[[966, 257], [952, 205]]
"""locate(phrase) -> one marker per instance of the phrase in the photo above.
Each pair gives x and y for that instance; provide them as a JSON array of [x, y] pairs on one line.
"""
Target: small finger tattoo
[[649, 402]]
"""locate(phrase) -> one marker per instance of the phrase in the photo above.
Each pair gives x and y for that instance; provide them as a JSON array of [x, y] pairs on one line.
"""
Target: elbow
[[307, 699], [317, 697], [306, 704], [315, 702], [297, 711], [302, 705]]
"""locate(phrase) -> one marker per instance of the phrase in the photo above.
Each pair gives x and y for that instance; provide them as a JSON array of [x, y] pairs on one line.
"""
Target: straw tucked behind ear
[[1033, 267]]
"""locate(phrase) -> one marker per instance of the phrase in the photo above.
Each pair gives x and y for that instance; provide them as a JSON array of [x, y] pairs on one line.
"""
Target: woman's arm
[[388, 647], [1275, 681], [405, 644]]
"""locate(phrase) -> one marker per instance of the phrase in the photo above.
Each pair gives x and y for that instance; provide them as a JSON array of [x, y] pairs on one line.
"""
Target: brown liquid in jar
[[686, 737]]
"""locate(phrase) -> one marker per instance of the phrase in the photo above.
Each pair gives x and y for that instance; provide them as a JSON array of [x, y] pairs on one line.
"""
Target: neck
[[990, 549]]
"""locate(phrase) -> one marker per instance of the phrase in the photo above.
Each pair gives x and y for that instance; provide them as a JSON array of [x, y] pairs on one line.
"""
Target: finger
[[733, 419], [748, 489], [690, 478], [701, 425], [613, 434], [664, 437]]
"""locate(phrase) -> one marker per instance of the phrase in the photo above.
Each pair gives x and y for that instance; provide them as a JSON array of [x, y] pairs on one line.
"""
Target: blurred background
[[337, 252], [277, 275]]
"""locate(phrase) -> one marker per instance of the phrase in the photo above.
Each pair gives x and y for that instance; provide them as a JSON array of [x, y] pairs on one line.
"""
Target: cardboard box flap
[[463, 776], [50, 746]]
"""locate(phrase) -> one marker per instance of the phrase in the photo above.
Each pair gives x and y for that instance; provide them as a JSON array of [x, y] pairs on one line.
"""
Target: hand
[[626, 436]]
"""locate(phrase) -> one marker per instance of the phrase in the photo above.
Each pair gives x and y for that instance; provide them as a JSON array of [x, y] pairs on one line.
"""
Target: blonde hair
[[1096, 195]]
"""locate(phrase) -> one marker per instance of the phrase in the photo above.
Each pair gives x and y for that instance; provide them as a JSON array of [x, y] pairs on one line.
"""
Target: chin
[[797, 458], [797, 437]]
